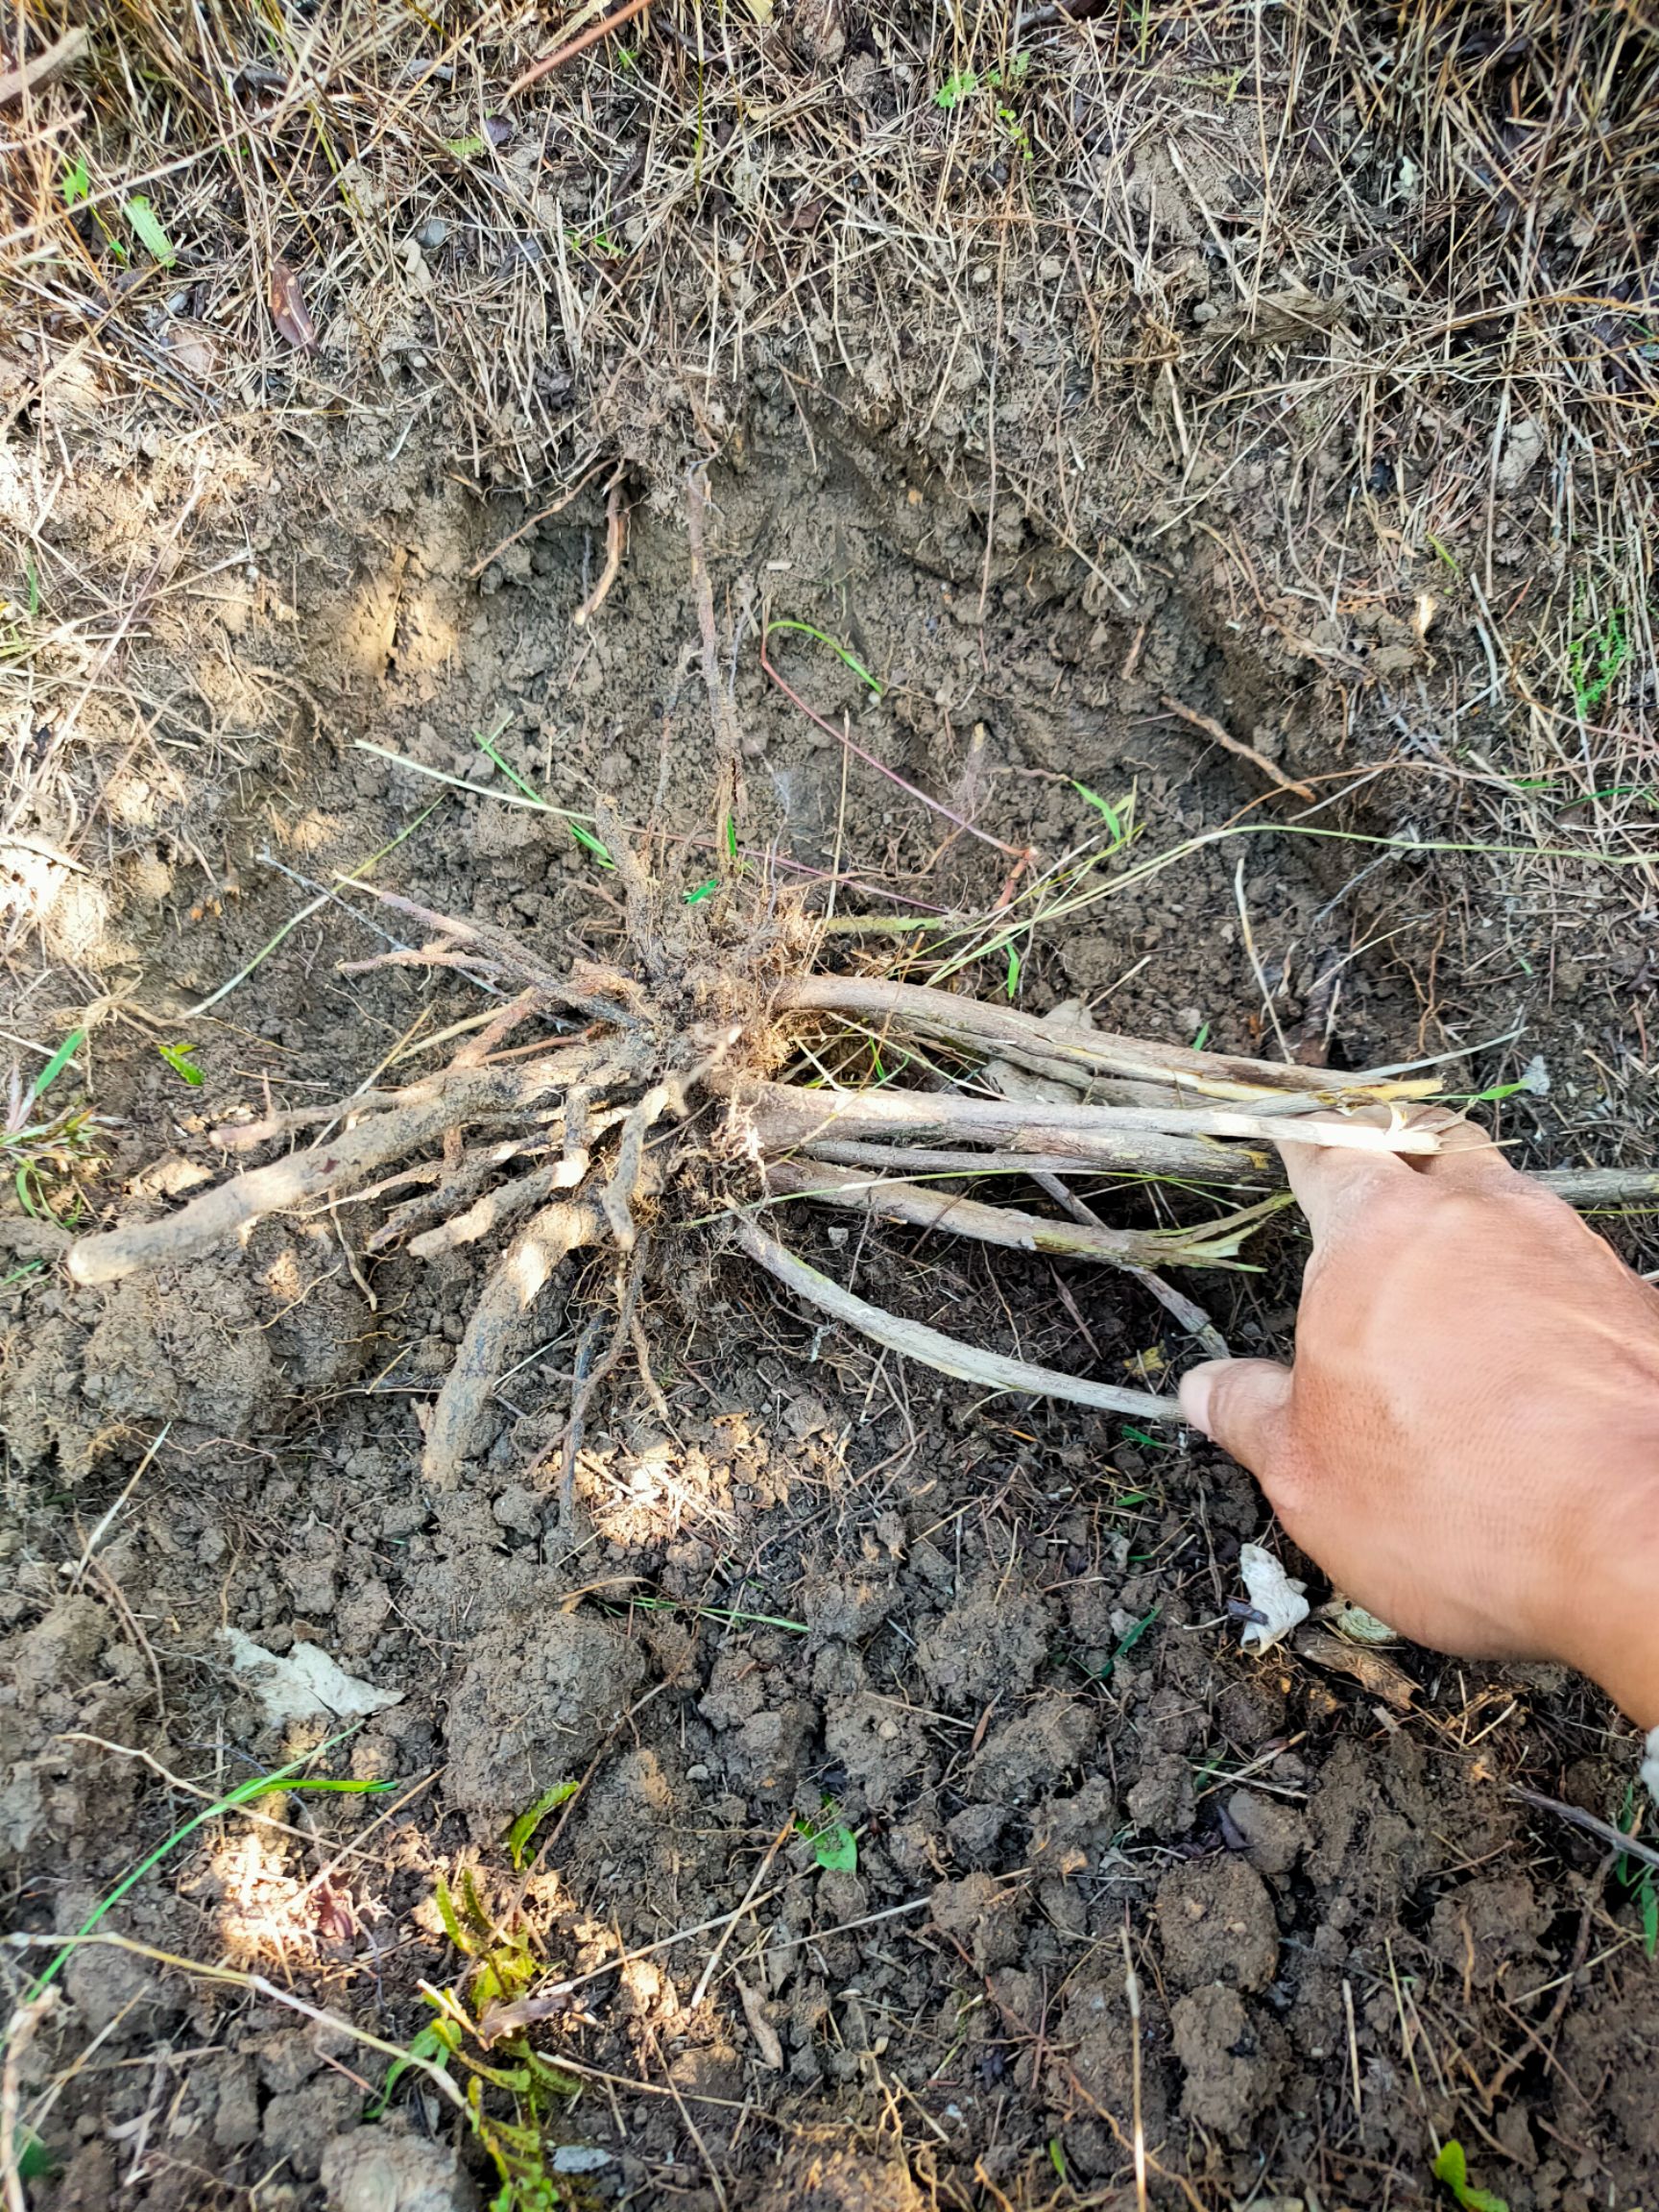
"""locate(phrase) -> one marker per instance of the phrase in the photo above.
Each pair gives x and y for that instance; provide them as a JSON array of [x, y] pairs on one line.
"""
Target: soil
[[1115, 1882]]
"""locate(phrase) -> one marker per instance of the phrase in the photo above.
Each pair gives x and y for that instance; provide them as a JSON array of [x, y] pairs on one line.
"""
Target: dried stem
[[781, 1116], [967, 1362], [221, 1214], [1237, 746], [615, 538], [580, 44], [507, 1297], [1075, 1055], [1212, 1244]]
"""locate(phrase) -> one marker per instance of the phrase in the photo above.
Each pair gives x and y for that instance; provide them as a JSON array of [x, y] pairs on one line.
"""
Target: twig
[[728, 772], [194, 1013], [99, 1532], [691, 2128], [587, 1380], [24, 2024], [219, 1214], [1590, 1822], [991, 1370], [1211, 1242], [880, 1110], [512, 1289], [1023, 854], [1074, 1054], [1236, 745], [1176, 1303], [615, 538], [31, 75], [1254, 959], [1132, 1991], [542, 514], [562, 1990], [574, 46], [760, 1875], [257, 1985]]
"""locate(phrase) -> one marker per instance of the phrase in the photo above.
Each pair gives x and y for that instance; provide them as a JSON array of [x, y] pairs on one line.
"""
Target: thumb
[[1243, 1405]]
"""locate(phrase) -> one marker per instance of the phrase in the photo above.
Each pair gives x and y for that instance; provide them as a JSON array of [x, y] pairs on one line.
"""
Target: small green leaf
[[179, 1058], [840, 651], [448, 1915], [1107, 812], [56, 1065], [961, 84], [1151, 1443], [1013, 971], [487, 745], [836, 1849], [1452, 2170], [77, 184], [531, 1819], [1057, 2157], [835, 1846], [731, 837], [348, 1786], [1594, 660], [703, 891], [31, 2156], [147, 230], [472, 1907], [468, 149], [434, 2046], [1127, 1642], [1648, 1899]]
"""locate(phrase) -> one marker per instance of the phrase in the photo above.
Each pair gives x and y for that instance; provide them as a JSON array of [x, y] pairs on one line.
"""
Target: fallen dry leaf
[[1372, 1669], [288, 309], [306, 1685], [193, 349]]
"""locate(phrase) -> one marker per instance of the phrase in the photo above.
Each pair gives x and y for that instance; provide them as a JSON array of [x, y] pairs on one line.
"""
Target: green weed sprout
[[502, 1968], [1594, 661], [42, 1149]]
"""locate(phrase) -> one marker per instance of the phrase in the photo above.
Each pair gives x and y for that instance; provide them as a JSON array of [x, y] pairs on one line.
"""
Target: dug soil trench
[[1035, 1866]]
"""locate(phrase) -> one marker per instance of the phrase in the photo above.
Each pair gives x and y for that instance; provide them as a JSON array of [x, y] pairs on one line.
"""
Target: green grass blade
[[245, 1793], [148, 230], [56, 1065], [531, 1819], [841, 652]]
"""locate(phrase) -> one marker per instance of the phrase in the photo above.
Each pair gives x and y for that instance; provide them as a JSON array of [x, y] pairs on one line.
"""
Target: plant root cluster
[[715, 1079]]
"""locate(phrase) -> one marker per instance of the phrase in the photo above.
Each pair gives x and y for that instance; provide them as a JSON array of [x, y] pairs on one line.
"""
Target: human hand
[[1468, 1443]]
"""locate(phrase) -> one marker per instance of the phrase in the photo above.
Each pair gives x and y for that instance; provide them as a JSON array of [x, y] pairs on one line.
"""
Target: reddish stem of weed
[[1022, 856], [574, 46]]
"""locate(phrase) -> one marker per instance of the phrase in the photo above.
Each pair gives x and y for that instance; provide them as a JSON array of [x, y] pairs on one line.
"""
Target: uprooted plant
[[718, 1075]]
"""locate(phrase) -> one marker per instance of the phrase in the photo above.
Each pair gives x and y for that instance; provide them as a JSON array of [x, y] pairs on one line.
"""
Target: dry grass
[[1177, 269]]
